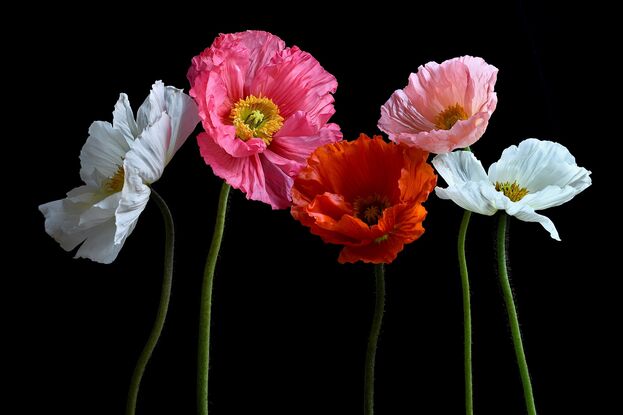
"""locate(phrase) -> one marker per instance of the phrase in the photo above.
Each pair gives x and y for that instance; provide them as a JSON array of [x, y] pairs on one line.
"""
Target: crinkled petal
[[459, 167], [102, 154], [149, 152], [299, 137], [134, 198], [527, 214], [536, 164], [469, 196], [99, 245], [244, 173], [549, 197], [85, 217], [461, 135], [398, 116], [123, 119], [296, 81]]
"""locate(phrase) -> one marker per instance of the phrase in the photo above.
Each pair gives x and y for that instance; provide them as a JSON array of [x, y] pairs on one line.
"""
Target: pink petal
[[399, 116], [299, 137], [295, 81], [462, 134]]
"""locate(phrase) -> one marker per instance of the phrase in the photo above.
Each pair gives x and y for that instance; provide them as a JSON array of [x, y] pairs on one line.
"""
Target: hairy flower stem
[[206, 303], [165, 295]]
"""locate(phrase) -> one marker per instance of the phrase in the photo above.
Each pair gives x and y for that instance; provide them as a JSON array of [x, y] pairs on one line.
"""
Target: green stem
[[206, 303], [467, 315], [512, 316], [375, 330], [165, 295]]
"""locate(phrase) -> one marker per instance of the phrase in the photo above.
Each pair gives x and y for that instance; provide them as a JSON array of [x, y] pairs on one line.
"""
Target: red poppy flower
[[366, 195]]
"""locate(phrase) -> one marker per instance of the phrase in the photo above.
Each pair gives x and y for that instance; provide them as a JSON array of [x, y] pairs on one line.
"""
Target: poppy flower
[[532, 176], [264, 108], [444, 107], [366, 195], [118, 163]]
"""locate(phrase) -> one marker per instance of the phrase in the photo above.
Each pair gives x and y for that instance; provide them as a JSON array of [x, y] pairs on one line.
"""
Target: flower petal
[[299, 137], [85, 216], [527, 214], [123, 119], [296, 81], [468, 185], [459, 167], [399, 116], [102, 154], [134, 198], [149, 152], [536, 164]]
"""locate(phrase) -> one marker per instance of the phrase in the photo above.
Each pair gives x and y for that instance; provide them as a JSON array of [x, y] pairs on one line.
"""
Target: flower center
[[448, 117], [511, 190], [115, 183], [256, 117], [370, 209]]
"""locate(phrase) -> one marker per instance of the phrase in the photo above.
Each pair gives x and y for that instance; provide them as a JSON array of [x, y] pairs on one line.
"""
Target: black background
[[289, 323]]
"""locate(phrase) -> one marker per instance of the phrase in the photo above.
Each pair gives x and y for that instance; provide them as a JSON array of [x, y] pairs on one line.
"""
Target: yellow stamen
[[511, 190], [115, 183], [370, 209], [256, 117], [448, 117]]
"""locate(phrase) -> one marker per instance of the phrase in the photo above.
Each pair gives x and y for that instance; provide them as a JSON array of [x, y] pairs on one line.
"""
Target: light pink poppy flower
[[264, 108], [444, 107]]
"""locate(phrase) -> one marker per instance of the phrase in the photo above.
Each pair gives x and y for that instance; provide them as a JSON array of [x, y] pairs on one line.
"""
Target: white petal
[[153, 106], [467, 181], [123, 118], [102, 154], [459, 167], [526, 213], [134, 198], [149, 152], [99, 245], [469, 196], [83, 217], [63, 216], [549, 197], [536, 164], [184, 118]]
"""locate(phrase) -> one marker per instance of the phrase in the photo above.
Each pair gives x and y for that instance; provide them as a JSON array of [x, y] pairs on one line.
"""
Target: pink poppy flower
[[444, 107], [264, 108]]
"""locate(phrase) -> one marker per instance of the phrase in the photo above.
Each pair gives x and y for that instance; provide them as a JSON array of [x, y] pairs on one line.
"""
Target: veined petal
[[469, 196], [399, 116], [536, 164], [123, 119], [102, 154], [99, 246], [83, 218], [149, 152], [527, 214], [153, 106], [134, 198], [184, 118], [459, 167], [549, 197]]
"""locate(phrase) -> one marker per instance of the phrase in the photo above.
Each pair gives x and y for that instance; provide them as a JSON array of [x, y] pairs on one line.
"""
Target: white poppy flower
[[118, 163], [532, 176]]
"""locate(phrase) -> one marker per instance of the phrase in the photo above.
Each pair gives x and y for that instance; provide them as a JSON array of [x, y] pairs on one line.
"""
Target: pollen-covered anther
[[511, 190], [450, 116], [256, 117]]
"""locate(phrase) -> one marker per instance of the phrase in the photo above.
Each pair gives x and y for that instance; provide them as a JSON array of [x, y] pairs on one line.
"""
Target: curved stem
[[165, 295], [375, 330], [206, 303], [467, 315], [512, 316]]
